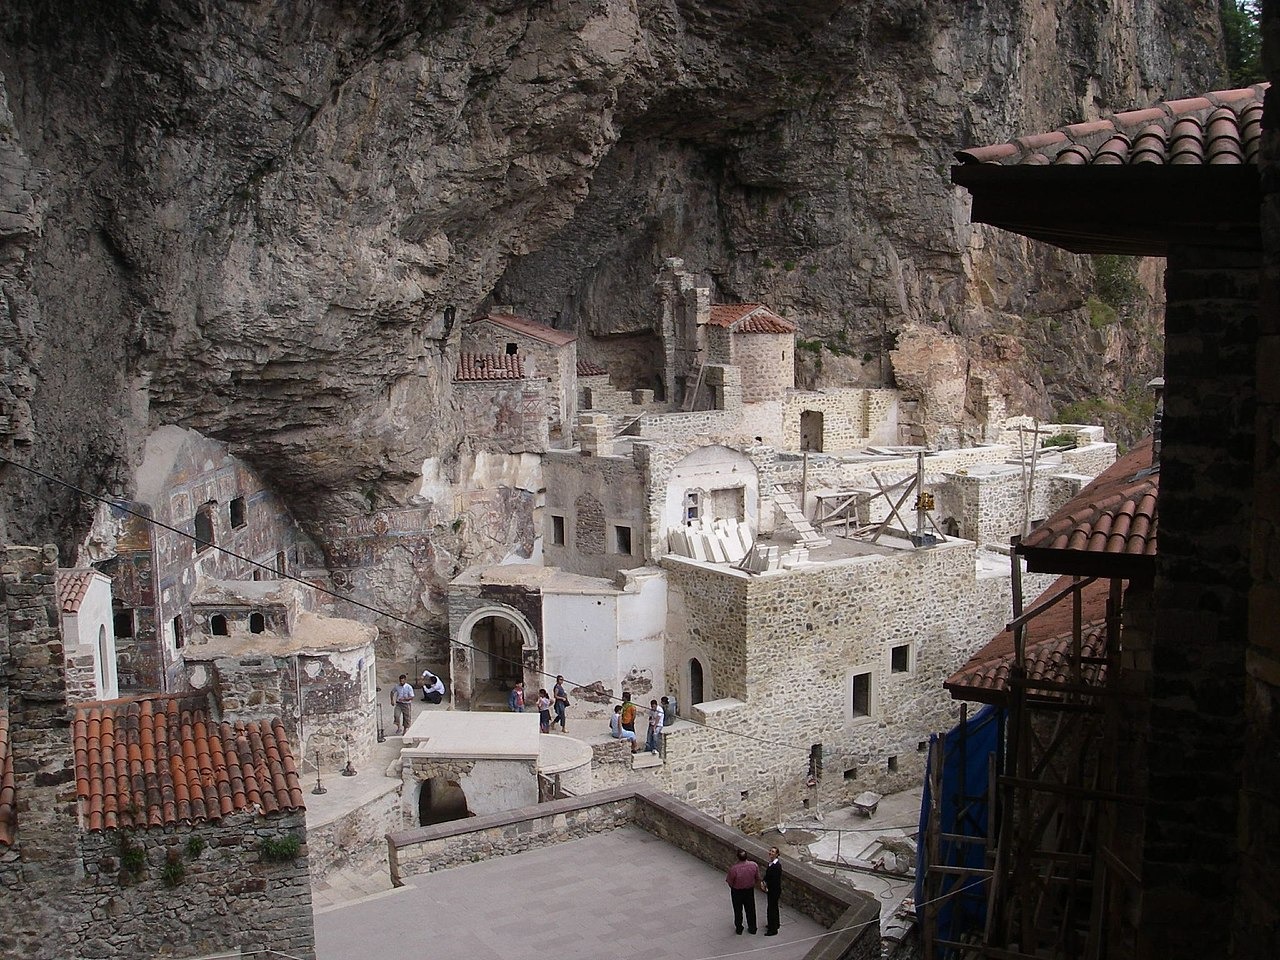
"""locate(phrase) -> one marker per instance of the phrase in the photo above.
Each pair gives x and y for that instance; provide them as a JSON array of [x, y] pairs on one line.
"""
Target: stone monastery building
[[756, 552]]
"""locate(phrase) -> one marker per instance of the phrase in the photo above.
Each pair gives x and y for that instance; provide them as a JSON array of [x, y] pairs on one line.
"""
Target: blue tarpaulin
[[963, 789]]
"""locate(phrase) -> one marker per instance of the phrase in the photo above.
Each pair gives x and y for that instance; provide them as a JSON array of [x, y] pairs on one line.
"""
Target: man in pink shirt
[[742, 879]]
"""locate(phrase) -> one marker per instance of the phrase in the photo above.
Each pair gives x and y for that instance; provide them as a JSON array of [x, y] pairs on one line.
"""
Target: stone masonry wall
[[767, 364], [1257, 917], [844, 413], [230, 896], [800, 637], [1190, 866]]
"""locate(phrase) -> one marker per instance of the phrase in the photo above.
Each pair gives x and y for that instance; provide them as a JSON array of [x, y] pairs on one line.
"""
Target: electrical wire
[[119, 504]]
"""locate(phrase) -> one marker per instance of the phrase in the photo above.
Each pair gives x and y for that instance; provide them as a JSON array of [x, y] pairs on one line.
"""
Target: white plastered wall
[[706, 469]]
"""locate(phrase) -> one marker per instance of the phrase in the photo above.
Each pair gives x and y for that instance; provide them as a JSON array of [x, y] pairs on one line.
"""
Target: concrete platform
[[624, 893]]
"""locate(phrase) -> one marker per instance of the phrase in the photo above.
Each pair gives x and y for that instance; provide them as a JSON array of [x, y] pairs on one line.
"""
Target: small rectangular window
[[557, 530], [692, 506], [622, 539], [512, 349], [893, 764], [178, 637], [861, 692], [900, 659], [236, 510], [122, 620], [851, 773]]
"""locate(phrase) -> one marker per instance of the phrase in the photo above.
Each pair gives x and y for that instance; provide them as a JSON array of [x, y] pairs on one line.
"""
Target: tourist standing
[[628, 713], [560, 702], [544, 710], [515, 699], [742, 879], [402, 697], [669, 711], [772, 892], [655, 727]]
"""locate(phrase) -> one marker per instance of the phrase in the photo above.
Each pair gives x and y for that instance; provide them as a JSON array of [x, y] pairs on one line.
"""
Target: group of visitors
[[743, 878], [622, 725], [551, 703]]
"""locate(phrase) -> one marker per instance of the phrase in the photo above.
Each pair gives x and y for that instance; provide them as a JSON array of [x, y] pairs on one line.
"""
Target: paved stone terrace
[[623, 893]]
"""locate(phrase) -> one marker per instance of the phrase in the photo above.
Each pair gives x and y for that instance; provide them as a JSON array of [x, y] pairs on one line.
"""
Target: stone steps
[[795, 516], [645, 761]]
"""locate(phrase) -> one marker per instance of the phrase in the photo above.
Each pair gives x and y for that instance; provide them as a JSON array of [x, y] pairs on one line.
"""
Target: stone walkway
[[623, 893]]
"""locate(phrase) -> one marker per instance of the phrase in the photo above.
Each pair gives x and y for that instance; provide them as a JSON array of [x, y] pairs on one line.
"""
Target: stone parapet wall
[[146, 914], [355, 838], [827, 902], [844, 418], [427, 849]]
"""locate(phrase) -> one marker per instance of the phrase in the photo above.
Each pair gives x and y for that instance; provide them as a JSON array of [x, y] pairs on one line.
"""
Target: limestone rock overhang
[[1130, 210]]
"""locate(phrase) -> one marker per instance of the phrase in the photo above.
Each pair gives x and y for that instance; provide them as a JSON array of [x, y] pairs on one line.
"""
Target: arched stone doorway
[[441, 800], [493, 648], [697, 692]]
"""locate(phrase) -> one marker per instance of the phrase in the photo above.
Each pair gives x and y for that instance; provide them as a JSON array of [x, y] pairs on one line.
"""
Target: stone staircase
[[809, 537]]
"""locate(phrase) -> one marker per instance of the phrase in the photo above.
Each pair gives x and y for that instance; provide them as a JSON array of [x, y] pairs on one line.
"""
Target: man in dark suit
[[772, 891]]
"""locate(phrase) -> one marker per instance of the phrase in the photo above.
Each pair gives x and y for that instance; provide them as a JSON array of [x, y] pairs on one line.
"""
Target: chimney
[[594, 435], [1157, 386]]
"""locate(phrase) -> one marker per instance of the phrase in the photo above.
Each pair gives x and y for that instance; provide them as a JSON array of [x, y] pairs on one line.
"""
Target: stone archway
[[494, 647]]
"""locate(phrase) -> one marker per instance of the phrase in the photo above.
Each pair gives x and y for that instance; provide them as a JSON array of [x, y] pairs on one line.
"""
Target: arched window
[[106, 664], [257, 622], [204, 526], [218, 625], [696, 692]]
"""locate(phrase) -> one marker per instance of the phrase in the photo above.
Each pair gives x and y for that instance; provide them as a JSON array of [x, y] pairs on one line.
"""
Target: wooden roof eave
[[1088, 563], [1137, 210]]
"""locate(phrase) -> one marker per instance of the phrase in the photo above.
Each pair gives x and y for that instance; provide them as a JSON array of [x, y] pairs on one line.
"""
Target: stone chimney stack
[[594, 435], [39, 720], [1157, 386]]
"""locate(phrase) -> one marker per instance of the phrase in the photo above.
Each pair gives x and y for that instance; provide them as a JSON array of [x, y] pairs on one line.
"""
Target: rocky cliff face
[[259, 219]]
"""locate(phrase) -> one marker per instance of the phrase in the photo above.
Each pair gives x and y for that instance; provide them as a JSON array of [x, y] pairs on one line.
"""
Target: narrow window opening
[[179, 638], [236, 512], [557, 531], [922, 746], [622, 539], [893, 764], [815, 762], [692, 506], [218, 625], [512, 349], [257, 622], [851, 773], [900, 659], [204, 526], [281, 566], [862, 695]]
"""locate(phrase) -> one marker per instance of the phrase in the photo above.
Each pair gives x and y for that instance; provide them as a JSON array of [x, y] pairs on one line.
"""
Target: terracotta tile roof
[[529, 328], [588, 369], [8, 805], [489, 366], [1223, 127], [1111, 522], [749, 318], [72, 586], [160, 761], [985, 678]]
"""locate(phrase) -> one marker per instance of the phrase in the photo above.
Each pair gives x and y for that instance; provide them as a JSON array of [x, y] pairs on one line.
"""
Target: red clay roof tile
[[156, 762], [749, 318], [529, 328], [587, 368], [473, 367], [1114, 514], [72, 586], [1047, 647], [1188, 127]]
